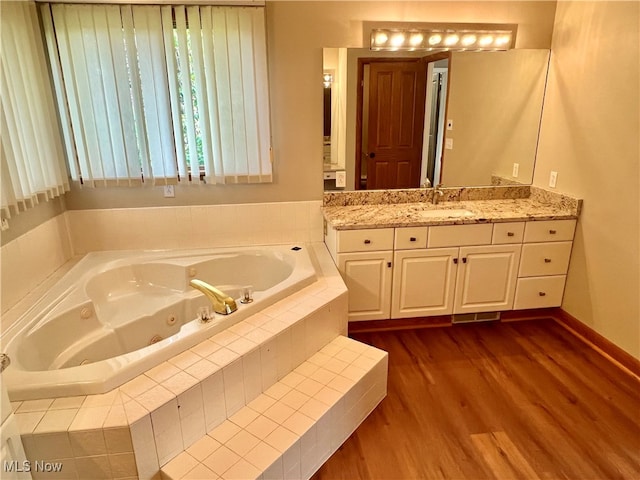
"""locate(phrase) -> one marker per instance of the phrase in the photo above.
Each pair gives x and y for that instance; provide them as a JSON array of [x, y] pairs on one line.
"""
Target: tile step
[[292, 428]]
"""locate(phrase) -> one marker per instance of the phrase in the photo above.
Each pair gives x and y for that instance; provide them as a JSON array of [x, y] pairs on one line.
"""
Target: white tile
[[298, 423], [215, 411], [309, 387], [88, 443], [284, 347], [327, 395], [223, 357], [167, 431], [233, 387], [103, 400], [202, 369], [162, 372], [314, 409], [244, 417], [179, 383], [56, 421], [341, 384], [306, 369], [191, 412], [347, 355], [281, 439], [261, 427], [252, 374], [118, 440], [298, 342], [201, 472], [89, 418], [221, 460], [321, 360], [116, 417], [269, 363], [294, 399], [35, 405], [274, 471], [242, 442], [279, 412], [96, 467], [66, 403], [137, 386], [291, 462], [278, 390], [123, 465], [155, 398], [261, 403], [134, 411], [185, 359], [50, 446], [242, 470], [242, 328], [225, 431], [27, 422], [323, 376], [241, 346], [292, 379], [179, 466], [203, 448], [206, 348], [225, 337]]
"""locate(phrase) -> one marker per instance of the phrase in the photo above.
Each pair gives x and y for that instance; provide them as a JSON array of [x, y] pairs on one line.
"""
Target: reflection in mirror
[[475, 119]]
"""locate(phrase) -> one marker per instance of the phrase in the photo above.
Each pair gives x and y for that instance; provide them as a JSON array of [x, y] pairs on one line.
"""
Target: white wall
[[589, 136]]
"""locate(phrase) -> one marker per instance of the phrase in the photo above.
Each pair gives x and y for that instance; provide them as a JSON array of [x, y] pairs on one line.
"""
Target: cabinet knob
[[413, 239], [367, 242], [389, 264], [464, 259], [552, 232], [455, 260], [542, 294], [547, 260], [510, 234]]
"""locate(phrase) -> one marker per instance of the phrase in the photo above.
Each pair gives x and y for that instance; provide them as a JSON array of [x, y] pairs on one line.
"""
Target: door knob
[[372, 154]]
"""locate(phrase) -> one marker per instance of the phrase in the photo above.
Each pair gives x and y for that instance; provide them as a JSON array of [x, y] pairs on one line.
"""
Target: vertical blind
[[31, 152], [161, 94]]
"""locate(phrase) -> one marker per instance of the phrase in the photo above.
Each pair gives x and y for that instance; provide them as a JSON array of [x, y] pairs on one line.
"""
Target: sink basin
[[446, 213]]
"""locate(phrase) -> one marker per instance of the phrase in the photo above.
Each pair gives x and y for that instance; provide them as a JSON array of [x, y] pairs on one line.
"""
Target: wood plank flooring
[[521, 400]]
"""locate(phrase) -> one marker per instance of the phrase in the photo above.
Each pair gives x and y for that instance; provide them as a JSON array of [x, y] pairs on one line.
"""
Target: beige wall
[[297, 31], [589, 136]]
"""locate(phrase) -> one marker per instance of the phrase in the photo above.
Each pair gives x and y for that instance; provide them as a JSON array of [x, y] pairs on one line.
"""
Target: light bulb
[[435, 39], [416, 39], [502, 40], [397, 40], [381, 38], [468, 40], [451, 40], [486, 40]]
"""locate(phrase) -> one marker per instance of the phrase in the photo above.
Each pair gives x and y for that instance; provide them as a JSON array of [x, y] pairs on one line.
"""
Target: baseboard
[[597, 341], [585, 333]]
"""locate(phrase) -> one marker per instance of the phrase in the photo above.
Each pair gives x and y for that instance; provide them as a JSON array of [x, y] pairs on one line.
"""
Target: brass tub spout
[[221, 302]]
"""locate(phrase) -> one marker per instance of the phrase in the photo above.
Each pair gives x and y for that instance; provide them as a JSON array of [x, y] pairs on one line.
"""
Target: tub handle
[[5, 361]]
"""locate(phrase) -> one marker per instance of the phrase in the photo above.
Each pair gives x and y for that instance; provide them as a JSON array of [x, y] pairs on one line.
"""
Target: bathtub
[[115, 315]]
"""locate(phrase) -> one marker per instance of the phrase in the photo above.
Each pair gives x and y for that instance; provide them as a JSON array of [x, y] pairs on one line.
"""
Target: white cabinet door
[[487, 277], [368, 278], [423, 282]]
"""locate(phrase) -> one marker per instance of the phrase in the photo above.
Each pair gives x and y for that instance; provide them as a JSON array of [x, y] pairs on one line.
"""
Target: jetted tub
[[115, 315]]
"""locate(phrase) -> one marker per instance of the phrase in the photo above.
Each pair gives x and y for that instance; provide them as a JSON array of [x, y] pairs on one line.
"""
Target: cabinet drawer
[[539, 292], [544, 259], [365, 240], [409, 238], [508, 233], [460, 235], [549, 231]]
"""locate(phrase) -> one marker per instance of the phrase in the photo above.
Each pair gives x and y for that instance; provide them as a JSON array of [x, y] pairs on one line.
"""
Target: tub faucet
[[221, 302], [437, 194]]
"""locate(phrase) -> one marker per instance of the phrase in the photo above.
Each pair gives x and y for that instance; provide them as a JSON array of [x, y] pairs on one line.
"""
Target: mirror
[[473, 118]]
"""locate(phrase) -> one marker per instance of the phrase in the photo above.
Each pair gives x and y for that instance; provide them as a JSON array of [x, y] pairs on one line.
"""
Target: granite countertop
[[477, 211]]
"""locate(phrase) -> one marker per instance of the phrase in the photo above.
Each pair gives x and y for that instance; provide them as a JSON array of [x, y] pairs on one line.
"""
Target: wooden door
[[397, 93]]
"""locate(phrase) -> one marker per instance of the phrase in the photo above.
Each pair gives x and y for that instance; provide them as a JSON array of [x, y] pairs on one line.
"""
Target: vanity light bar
[[428, 40]]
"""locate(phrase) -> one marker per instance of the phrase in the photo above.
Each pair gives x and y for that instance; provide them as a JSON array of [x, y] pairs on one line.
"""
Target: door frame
[[360, 99]]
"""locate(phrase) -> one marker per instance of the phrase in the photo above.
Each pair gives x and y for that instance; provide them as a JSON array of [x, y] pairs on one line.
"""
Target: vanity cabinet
[[452, 269]]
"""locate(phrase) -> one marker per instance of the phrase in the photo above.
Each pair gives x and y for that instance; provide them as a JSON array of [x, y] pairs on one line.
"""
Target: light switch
[[553, 178], [341, 179], [448, 144]]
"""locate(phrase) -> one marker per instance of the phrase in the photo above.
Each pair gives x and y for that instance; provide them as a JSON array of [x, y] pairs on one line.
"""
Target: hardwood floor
[[521, 400]]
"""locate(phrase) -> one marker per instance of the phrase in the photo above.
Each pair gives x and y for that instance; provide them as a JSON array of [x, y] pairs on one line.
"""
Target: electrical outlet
[[341, 179], [449, 124], [553, 178], [5, 224], [516, 170], [448, 144], [169, 191]]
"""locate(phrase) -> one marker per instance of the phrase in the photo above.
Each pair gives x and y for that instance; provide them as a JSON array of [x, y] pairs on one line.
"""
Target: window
[[31, 153], [161, 94]]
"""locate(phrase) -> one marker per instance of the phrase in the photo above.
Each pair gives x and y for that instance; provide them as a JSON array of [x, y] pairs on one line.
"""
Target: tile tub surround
[[30, 259], [538, 205], [132, 431]]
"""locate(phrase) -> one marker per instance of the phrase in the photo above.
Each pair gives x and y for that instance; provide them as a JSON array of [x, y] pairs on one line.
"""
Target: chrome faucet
[[221, 302], [437, 193]]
